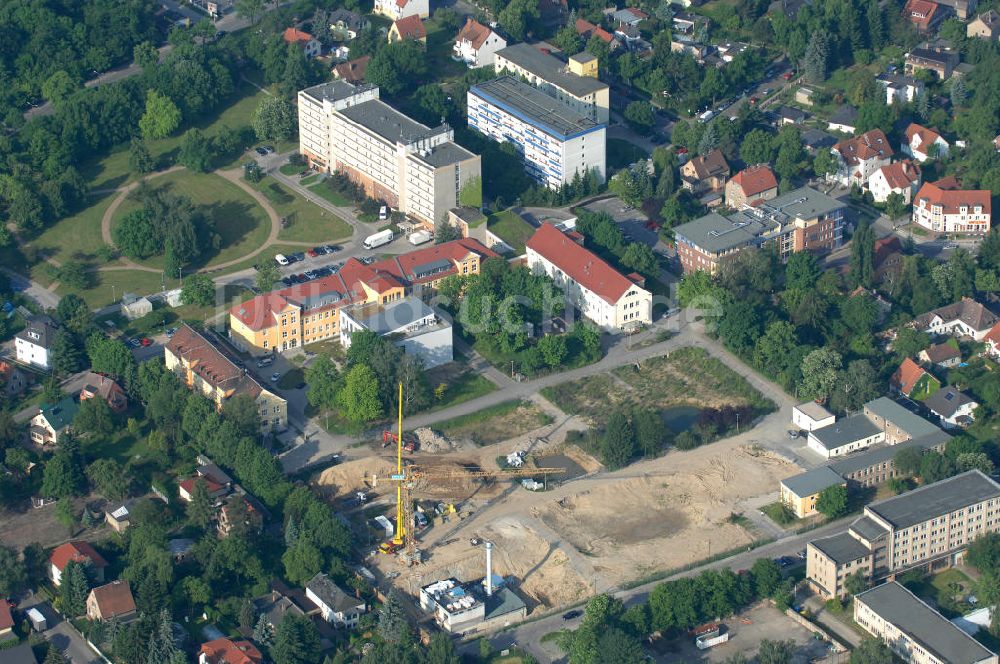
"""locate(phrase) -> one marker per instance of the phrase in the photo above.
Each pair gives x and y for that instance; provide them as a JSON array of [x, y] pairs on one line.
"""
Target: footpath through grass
[[304, 221]]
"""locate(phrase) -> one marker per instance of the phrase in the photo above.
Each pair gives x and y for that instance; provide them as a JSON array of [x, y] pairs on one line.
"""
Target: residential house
[[789, 115], [844, 120], [628, 35], [881, 421], [135, 306], [939, 60], [689, 46], [275, 605], [346, 24], [408, 27], [218, 483], [954, 407], [629, 16], [102, 387], [950, 211], [811, 415], [729, 50], [705, 173], [911, 380], [32, 344], [397, 9], [899, 177], [204, 368], [602, 294], [962, 9], [6, 622], [944, 355], [77, 551], [477, 44], [686, 23], [242, 512], [52, 421], [352, 71], [13, 381], [900, 89], [965, 318], [984, 26], [992, 341], [336, 606], [858, 158], [815, 140], [801, 220], [922, 143], [927, 528], [888, 259], [225, 651], [339, 53], [923, 15], [113, 600], [119, 517], [586, 30], [800, 492], [913, 630], [752, 184]]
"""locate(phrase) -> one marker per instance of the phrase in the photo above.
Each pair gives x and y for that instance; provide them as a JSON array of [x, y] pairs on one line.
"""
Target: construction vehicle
[[405, 478], [410, 443]]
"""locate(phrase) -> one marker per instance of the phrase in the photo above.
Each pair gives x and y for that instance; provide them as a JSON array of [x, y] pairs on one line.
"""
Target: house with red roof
[[408, 27], [309, 44], [911, 380], [113, 600], [754, 183], [923, 15], [352, 71], [900, 177], [225, 651], [922, 143], [476, 44], [77, 551], [586, 30], [946, 210], [102, 387], [310, 312], [397, 9], [603, 295], [859, 157]]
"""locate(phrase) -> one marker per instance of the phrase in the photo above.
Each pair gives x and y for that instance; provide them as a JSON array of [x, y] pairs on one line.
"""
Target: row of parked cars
[[283, 259]]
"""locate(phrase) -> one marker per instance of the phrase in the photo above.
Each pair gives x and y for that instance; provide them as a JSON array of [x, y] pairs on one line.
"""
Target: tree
[[856, 386], [862, 255], [250, 9], [94, 417], [554, 350], [445, 231], [53, 656], [775, 652], [302, 562], [263, 633], [819, 373], [392, 624], [201, 508], [632, 185], [824, 163], [13, 575], [324, 382], [196, 152], [832, 501], [855, 583], [895, 205], [58, 87], [816, 56], [907, 461], [296, 641], [640, 257], [974, 461], [639, 115], [618, 441], [267, 276], [73, 589], [66, 354], [709, 140], [518, 18], [108, 477], [766, 577], [397, 67], [162, 117], [274, 119], [872, 651], [359, 397], [958, 93], [64, 476], [650, 434], [756, 148], [199, 290], [139, 159], [75, 275], [441, 649], [935, 467]]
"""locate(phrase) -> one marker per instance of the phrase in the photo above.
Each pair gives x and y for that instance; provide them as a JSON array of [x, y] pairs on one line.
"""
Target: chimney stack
[[489, 569]]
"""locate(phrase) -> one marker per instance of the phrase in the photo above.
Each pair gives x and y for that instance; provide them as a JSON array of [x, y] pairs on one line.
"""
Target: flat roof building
[[556, 142], [800, 492], [409, 323], [913, 630]]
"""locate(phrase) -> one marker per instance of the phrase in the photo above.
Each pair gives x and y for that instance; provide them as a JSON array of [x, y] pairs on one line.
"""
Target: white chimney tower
[[489, 569]]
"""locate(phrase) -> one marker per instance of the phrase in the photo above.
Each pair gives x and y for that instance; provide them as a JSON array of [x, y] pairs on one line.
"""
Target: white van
[[281, 259], [383, 213], [378, 239]]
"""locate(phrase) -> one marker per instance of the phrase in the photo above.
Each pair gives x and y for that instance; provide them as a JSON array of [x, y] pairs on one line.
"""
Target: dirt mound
[[433, 442]]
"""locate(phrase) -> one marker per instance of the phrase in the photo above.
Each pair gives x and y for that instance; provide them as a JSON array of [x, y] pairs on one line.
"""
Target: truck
[[706, 116], [378, 239], [420, 237], [38, 622], [706, 638]]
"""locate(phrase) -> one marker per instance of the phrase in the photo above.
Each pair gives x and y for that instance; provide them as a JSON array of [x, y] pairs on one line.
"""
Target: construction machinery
[[406, 476]]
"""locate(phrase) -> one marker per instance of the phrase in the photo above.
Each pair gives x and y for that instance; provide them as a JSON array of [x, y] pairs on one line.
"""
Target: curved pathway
[[109, 214]]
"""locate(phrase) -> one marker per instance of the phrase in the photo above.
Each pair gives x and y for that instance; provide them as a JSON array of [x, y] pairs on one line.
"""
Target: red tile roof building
[[902, 177], [6, 619], [586, 29], [99, 385], [352, 71], [859, 157], [77, 551], [310, 312], [309, 44], [113, 600], [224, 651], [952, 210], [752, 184], [908, 376], [409, 27], [599, 292], [922, 143], [922, 14], [476, 44]]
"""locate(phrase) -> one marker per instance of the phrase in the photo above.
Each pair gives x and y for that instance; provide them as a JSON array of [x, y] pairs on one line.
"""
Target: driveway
[[62, 635], [40, 295]]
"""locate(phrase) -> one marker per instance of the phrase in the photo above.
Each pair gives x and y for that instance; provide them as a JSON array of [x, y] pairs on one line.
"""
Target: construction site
[[578, 533]]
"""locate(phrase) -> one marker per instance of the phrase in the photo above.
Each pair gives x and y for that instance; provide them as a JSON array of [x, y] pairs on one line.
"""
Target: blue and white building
[[554, 141]]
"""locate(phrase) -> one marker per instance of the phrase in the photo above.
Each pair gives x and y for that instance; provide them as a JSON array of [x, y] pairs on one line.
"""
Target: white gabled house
[[922, 143], [901, 177], [476, 44], [858, 158], [335, 606], [397, 9], [32, 344]]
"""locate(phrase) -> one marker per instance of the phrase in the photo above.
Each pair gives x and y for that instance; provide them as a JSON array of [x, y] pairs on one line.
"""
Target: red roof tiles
[[411, 27], [586, 29], [901, 174], [906, 376], [755, 180], [474, 32], [114, 599], [951, 200], [869, 145], [78, 551], [579, 263], [6, 619], [927, 137], [296, 36], [208, 363], [353, 71], [224, 651]]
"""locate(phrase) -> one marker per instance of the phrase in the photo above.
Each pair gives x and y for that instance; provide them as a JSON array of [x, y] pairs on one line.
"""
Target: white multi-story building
[[900, 177], [31, 345], [555, 141], [858, 158], [952, 210], [476, 44], [922, 143], [413, 168], [397, 9], [601, 293]]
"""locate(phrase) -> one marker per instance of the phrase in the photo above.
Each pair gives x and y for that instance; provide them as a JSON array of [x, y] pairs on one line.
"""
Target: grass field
[[459, 385], [323, 190], [496, 423], [621, 153], [305, 222], [511, 228], [241, 223], [77, 237]]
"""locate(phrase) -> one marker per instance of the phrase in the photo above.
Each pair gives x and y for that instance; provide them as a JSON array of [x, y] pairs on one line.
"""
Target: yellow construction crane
[[405, 476]]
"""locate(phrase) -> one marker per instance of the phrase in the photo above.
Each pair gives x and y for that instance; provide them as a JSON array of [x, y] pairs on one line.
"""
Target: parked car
[[299, 256], [265, 362], [261, 151], [569, 615], [145, 342], [323, 271], [312, 253], [311, 274], [275, 377], [332, 248], [288, 281], [793, 433]]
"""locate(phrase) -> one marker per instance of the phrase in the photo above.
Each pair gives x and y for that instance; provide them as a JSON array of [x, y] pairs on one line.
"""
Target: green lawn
[[511, 228], [460, 388], [621, 153], [291, 380], [109, 286], [324, 190], [239, 220], [74, 238], [947, 590], [305, 222], [779, 513]]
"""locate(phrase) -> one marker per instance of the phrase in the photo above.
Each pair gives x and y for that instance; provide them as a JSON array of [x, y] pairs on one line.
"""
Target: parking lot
[[747, 630], [634, 223]]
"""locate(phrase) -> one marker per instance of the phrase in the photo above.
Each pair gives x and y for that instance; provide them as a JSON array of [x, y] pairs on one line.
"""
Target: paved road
[[529, 635], [62, 635], [40, 295]]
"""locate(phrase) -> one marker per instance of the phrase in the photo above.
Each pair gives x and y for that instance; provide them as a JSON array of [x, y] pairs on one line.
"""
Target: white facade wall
[[595, 105], [485, 56], [548, 159], [880, 188], [390, 9], [932, 217], [30, 353], [847, 448], [807, 423]]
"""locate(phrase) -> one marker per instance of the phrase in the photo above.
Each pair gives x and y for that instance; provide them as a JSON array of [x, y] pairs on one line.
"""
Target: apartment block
[[415, 169], [913, 630], [928, 528], [555, 142], [204, 368], [310, 312], [801, 220], [574, 82], [942, 209]]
